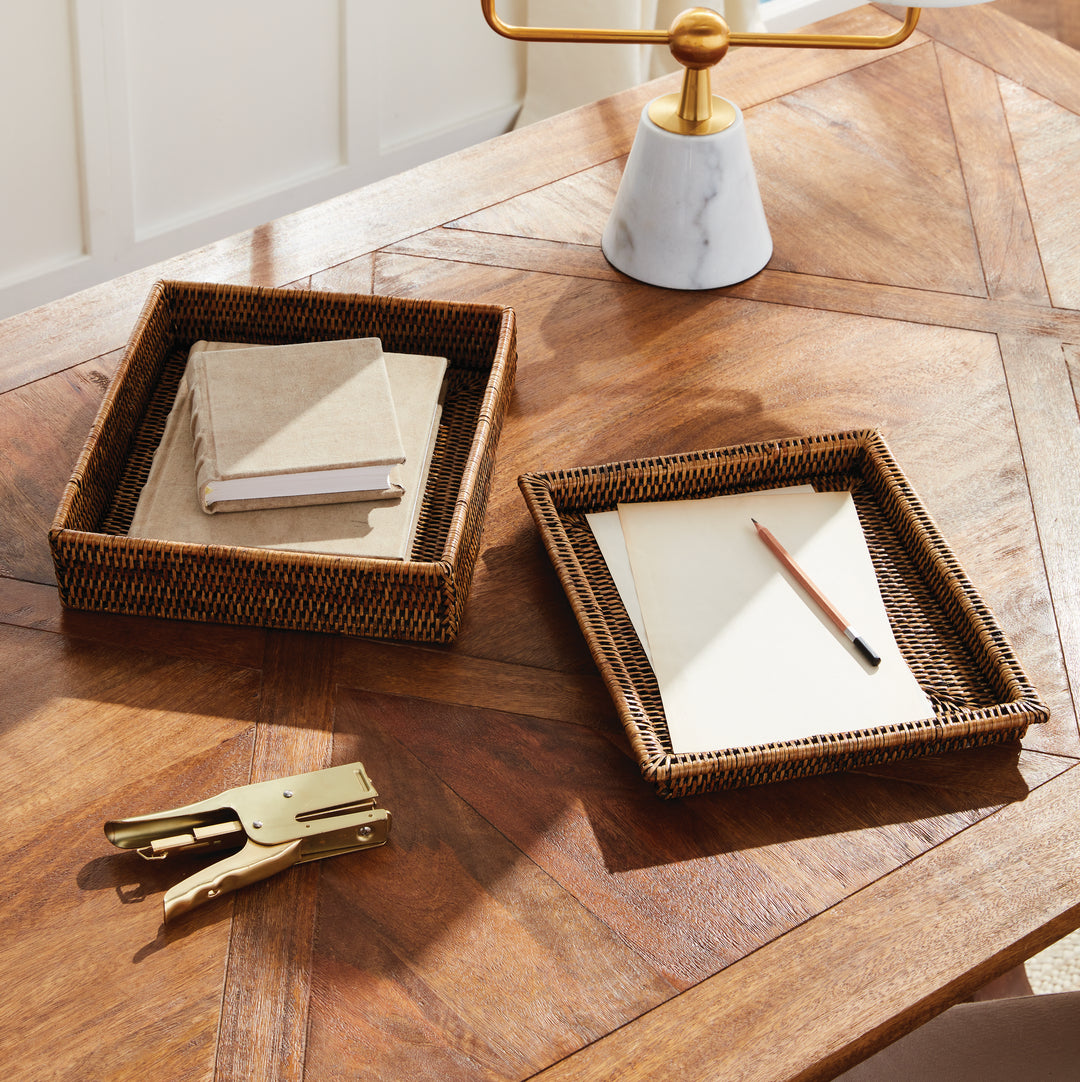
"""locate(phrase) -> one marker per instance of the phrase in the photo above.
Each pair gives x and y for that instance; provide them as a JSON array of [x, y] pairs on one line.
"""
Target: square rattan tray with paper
[[98, 567], [946, 633]]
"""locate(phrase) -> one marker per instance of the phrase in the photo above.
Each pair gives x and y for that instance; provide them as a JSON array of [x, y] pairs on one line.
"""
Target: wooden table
[[539, 912]]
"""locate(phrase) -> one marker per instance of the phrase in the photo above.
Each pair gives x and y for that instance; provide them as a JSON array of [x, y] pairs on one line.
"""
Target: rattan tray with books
[[946, 633], [99, 568]]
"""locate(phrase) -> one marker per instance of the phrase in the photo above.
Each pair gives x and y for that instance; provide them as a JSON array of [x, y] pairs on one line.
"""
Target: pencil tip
[[753, 520]]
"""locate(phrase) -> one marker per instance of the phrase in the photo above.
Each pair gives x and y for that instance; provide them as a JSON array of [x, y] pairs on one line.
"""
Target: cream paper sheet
[[607, 531], [741, 655]]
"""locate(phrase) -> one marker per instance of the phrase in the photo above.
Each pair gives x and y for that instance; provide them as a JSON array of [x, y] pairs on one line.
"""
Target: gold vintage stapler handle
[[252, 863], [271, 825]]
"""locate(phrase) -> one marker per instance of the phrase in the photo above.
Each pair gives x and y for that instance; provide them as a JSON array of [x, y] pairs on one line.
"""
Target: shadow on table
[[136, 881], [910, 805]]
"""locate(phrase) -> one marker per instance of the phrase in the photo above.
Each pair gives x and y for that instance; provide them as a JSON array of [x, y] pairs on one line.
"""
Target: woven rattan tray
[[98, 567], [949, 638]]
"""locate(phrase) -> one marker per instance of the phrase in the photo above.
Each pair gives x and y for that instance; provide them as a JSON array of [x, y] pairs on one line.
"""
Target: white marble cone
[[688, 213]]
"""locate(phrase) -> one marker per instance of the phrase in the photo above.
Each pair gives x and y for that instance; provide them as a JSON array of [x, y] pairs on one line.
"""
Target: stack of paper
[[308, 396], [742, 655]]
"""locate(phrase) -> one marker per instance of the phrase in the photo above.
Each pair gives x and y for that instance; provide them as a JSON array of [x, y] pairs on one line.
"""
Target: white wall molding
[[89, 191], [353, 98]]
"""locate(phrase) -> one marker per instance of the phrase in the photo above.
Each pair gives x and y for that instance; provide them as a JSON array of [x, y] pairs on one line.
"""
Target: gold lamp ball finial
[[698, 38]]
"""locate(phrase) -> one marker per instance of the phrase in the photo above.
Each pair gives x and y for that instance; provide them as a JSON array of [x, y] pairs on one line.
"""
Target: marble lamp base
[[688, 213]]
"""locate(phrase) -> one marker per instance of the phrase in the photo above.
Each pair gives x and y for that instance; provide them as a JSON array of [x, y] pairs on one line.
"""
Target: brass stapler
[[275, 824]]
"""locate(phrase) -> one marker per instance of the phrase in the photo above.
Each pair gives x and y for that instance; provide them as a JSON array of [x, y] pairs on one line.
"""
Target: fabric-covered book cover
[[285, 426], [168, 508]]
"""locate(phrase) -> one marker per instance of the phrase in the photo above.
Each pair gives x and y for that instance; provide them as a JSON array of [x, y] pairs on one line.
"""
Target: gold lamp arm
[[665, 37], [698, 38], [552, 33], [835, 41]]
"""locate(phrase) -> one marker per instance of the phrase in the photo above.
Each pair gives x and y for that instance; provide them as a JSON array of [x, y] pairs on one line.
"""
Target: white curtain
[[561, 76]]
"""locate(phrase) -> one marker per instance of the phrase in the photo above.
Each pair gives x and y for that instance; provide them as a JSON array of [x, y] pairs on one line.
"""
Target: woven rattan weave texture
[[948, 636], [99, 567]]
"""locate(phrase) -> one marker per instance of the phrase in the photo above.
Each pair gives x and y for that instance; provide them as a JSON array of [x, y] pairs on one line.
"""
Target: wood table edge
[[749, 1021]]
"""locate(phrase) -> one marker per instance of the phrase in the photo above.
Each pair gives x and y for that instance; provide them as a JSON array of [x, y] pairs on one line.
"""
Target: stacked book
[[319, 447]]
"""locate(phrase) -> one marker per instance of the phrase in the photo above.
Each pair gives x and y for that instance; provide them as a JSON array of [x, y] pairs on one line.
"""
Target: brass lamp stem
[[695, 101], [699, 40], [695, 110]]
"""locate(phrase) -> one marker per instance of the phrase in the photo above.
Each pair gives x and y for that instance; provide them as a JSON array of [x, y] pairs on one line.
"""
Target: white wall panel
[[41, 213], [145, 128], [229, 100], [463, 53]]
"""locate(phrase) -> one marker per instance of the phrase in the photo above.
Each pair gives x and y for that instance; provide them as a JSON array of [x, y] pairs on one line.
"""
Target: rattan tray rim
[[666, 768], [91, 562]]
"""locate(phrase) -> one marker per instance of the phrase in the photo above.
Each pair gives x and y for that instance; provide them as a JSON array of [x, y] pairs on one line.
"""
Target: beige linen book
[[168, 507], [284, 426], [741, 655]]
